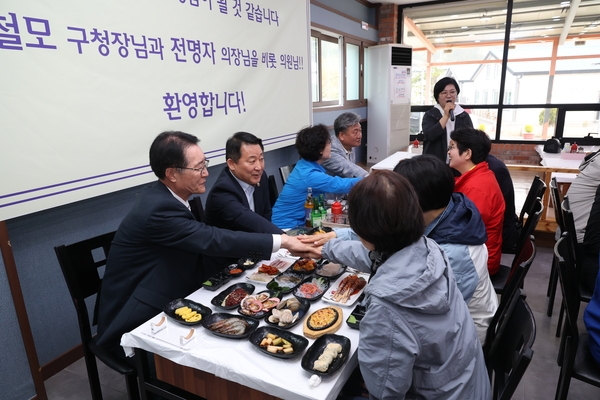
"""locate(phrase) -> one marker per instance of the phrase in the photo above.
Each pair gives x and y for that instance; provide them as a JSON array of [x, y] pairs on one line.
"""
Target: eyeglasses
[[452, 92], [201, 169], [451, 147]]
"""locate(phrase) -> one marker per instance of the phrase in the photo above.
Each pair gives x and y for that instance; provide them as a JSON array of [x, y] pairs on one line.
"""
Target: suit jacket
[[153, 260], [435, 140], [227, 207]]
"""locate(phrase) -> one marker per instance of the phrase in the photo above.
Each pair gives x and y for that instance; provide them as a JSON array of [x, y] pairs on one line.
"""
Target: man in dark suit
[[239, 199], [153, 257]]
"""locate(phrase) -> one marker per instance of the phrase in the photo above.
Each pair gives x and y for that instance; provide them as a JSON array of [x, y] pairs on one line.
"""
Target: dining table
[[194, 359]]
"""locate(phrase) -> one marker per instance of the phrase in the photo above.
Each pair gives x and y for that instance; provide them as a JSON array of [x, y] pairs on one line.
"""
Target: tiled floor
[[539, 381]]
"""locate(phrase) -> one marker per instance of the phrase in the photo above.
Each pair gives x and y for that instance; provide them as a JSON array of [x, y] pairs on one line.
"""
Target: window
[[337, 70]]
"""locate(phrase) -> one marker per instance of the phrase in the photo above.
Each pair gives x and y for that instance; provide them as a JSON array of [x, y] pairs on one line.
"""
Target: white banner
[[87, 85]]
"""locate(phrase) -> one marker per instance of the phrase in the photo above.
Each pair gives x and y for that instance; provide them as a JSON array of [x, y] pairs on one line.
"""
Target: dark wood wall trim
[[333, 10], [21, 310], [61, 362]]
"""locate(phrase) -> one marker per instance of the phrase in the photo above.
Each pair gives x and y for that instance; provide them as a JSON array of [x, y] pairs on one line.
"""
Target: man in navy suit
[[239, 199], [153, 257]]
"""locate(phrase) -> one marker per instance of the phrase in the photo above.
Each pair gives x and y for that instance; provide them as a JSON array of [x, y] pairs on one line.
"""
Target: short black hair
[[384, 210], [474, 139], [441, 85], [311, 141], [233, 146], [167, 151], [431, 178]]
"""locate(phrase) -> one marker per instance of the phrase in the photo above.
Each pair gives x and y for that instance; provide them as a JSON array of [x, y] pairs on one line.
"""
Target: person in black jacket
[[443, 118], [239, 199]]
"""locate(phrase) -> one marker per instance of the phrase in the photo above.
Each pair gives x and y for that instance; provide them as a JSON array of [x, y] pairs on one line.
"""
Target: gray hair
[[345, 121]]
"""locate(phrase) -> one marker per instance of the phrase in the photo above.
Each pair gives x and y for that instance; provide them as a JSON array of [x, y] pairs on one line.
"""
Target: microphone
[[451, 112]]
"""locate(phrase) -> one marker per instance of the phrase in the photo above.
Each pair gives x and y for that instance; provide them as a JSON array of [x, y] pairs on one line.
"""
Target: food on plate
[[252, 305], [234, 298], [276, 344], [312, 289], [304, 265], [230, 326], [293, 304], [350, 285], [283, 317], [330, 353], [322, 319], [188, 315], [247, 262], [330, 269], [268, 269], [280, 264], [235, 271]]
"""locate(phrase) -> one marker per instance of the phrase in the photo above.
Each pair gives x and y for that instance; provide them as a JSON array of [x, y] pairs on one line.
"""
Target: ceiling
[[464, 22]]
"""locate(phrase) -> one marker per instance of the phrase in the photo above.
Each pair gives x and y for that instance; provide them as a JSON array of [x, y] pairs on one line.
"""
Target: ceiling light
[[565, 3], [464, 27]]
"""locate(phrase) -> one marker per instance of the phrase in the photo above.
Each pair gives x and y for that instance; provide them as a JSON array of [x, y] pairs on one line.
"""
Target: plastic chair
[[536, 190], [576, 359], [508, 298], [556, 198], [500, 278], [285, 172], [80, 263], [512, 350]]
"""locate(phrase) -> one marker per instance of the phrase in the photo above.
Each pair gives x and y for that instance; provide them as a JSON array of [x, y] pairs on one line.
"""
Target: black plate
[[247, 263], [317, 348], [276, 285], [170, 308], [325, 282], [218, 299], [319, 270], [215, 282], [213, 318], [302, 271], [299, 343], [228, 269], [355, 317], [303, 310], [261, 314]]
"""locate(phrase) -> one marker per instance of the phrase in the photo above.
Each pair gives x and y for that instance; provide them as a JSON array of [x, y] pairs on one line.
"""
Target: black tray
[[353, 320], [317, 349], [218, 299], [170, 308], [213, 318], [215, 282], [275, 282], [231, 267], [261, 314], [299, 343], [301, 271], [332, 277], [326, 285], [303, 310]]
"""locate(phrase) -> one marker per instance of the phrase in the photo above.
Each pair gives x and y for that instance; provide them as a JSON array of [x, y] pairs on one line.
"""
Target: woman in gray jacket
[[417, 339]]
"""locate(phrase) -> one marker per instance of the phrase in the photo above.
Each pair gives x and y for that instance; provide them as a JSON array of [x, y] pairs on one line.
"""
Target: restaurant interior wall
[[32, 237]]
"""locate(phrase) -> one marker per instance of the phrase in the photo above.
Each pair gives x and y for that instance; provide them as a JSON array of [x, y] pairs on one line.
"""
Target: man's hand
[[318, 239], [299, 249]]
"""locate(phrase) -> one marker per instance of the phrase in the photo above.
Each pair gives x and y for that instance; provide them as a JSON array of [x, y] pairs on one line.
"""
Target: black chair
[[285, 172], [512, 350], [585, 294], [556, 198], [536, 190], [508, 298], [273, 191], [80, 263], [500, 278], [576, 359]]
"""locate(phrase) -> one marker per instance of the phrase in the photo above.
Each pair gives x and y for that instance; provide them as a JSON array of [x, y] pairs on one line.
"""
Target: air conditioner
[[389, 88]]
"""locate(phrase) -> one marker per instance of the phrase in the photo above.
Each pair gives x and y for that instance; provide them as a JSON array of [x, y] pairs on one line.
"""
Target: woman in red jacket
[[467, 152]]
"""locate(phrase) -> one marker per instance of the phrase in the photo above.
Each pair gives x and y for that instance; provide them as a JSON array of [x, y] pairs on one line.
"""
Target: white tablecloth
[[238, 360], [392, 160]]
